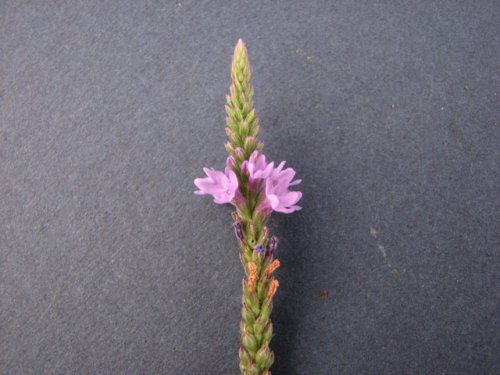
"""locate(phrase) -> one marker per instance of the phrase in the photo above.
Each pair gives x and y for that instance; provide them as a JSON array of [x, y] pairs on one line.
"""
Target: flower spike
[[256, 188]]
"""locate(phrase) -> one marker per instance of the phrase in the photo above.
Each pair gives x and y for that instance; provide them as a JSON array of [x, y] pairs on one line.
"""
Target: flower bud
[[249, 144], [266, 309], [229, 147], [252, 370], [268, 332], [251, 117], [247, 315], [264, 358], [230, 162], [244, 167], [230, 134], [245, 328], [249, 342], [255, 130], [239, 152], [244, 357], [259, 326], [243, 129]]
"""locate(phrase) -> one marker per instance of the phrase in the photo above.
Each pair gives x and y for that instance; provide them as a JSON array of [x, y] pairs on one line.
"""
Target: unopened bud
[[255, 130], [229, 147], [244, 356], [239, 152], [244, 167], [268, 332], [264, 357], [250, 143], [259, 326], [230, 162], [230, 134], [266, 309], [249, 342], [247, 315], [252, 369], [244, 128]]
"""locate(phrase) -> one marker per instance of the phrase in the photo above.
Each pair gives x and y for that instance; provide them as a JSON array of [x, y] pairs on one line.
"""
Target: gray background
[[389, 112]]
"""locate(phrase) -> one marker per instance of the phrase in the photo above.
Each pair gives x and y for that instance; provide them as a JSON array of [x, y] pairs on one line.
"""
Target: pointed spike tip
[[240, 47]]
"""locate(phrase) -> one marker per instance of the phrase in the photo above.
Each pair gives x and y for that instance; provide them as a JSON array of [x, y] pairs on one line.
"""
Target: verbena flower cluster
[[271, 184], [255, 188]]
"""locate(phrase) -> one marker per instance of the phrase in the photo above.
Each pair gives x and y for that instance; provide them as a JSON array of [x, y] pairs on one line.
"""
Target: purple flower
[[259, 249], [222, 186], [230, 162], [277, 194], [256, 166]]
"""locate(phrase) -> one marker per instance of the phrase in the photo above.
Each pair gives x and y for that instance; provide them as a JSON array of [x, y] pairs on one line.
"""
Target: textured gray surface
[[389, 112]]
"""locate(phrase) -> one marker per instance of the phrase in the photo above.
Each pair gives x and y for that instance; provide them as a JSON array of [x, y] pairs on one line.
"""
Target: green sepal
[[250, 232], [250, 300], [249, 145], [229, 148], [243, 213], [268, 332], [243, 129], [235, 105], [258, 329], [245, 328], [257, 258], [247, 315], [254, 304], [262, 288], [251, 116], [266, 309], [244, 357], [249, 342], [252, 369], [264, 358], [248, 256]]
